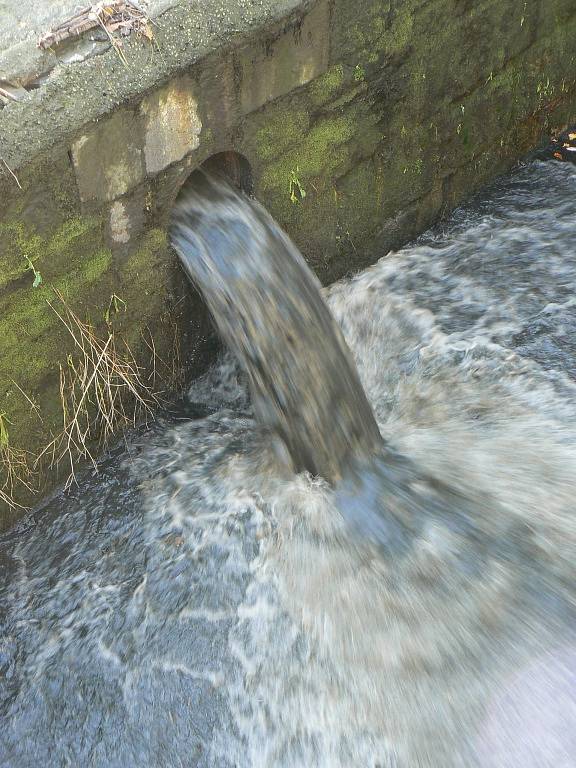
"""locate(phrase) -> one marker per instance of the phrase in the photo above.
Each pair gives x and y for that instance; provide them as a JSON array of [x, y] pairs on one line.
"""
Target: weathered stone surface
[[86, 91], [284, 60], [119, 223], [218, 98], [108, 158], [172, 124]]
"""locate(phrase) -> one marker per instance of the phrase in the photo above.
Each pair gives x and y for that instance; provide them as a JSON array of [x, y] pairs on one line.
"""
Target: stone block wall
[[422, 103], [362, 123]]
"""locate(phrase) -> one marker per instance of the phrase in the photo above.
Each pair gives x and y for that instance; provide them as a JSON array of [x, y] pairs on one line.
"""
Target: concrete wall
[[386, 113]]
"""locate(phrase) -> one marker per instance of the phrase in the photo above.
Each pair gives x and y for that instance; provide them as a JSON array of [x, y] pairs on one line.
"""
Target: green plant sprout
[[116, 303], [37, 275], [295, 188], [4, 439]]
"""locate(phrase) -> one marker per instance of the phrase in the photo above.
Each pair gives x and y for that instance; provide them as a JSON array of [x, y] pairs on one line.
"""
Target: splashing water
[[195, 605]]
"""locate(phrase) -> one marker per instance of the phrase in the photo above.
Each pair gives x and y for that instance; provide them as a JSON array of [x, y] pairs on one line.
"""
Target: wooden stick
[[100, 14], [11, 172], [7, 95]]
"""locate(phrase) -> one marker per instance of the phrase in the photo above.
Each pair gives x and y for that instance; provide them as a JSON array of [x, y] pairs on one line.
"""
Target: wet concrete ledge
[[359, 123]]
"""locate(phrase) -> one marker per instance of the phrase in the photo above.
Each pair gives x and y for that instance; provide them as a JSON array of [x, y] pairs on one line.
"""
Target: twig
[[112, 15], [11, 172], [32, 403], [7, 95], [9, 501], [13, 465]]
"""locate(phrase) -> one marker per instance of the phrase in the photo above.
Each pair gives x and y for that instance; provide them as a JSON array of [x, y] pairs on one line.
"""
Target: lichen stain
[[119, 223], [173, 125]]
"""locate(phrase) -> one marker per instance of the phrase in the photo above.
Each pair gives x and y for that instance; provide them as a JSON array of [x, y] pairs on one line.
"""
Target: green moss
[[349, 95], [30, 331], [34, 339], [34, 342], [284, 127], [150, 263], [95, 266], [156, 239], [69, 232], [399, 35], [327, 133], [68, 244], [325, 87], [377, 30], [17, 244], [148, 255], [25, 315], [360, 194], [321, 151], [80, 281]]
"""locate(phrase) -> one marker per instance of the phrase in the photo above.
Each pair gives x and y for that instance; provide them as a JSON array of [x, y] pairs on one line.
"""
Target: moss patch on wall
[[331, 127], [391, 120], [326, 87], [124, 299], [50, 254]]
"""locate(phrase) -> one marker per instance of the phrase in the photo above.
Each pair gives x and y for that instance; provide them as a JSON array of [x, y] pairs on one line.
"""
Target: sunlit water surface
[[191, 606]]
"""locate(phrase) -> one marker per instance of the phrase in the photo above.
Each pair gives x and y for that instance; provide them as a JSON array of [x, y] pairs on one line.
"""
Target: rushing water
[[267, 304], [193, 605]]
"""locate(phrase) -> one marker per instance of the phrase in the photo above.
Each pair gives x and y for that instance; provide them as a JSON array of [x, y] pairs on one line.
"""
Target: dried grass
[[102, 389], [118, 19], [14, 467]]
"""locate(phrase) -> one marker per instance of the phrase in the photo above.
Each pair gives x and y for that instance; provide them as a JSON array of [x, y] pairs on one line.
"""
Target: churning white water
[[193, 605]]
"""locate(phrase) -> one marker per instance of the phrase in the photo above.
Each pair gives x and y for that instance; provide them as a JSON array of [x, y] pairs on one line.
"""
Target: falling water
[[268, 308], [197, 604]]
